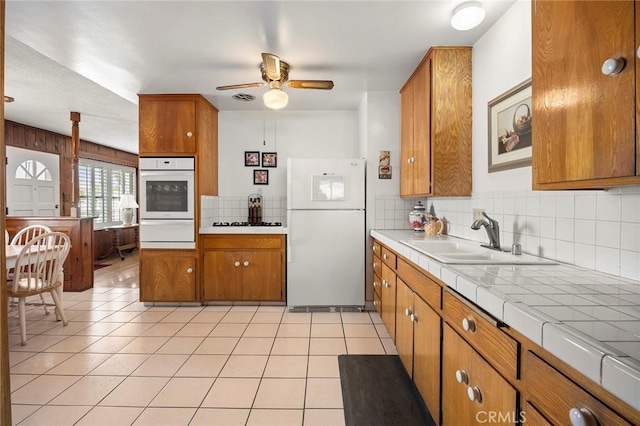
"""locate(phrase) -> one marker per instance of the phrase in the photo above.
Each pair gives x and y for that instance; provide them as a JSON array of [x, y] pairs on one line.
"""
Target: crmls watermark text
[[500, 417]]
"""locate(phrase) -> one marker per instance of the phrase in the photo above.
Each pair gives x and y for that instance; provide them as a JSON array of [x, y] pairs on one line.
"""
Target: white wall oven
[[167, 202]]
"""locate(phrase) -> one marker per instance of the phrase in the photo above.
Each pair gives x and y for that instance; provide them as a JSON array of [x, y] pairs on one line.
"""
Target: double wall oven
[[167, 202]]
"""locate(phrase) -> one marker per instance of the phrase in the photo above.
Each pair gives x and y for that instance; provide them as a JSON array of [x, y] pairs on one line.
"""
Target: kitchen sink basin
[[462, 252]]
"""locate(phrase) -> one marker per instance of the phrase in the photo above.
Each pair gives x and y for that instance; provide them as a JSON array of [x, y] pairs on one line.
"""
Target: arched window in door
[[33, 169]]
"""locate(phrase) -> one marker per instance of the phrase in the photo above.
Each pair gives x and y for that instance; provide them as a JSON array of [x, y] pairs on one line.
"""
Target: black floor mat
[[376, 390]]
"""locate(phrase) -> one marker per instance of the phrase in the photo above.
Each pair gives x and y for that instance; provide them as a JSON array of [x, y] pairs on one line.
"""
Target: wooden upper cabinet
[[584, 122], [435, 111]]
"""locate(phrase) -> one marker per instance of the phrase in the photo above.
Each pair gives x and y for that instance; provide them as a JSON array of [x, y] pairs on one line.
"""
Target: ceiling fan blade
[[311, 84], [271, 66], [240, 86]]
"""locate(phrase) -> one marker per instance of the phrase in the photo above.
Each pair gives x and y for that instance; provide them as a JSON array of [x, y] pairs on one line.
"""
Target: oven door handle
[[163, 222], [171, 174]]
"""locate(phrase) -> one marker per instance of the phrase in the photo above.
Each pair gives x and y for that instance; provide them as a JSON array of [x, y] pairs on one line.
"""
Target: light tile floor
[[119, 362]]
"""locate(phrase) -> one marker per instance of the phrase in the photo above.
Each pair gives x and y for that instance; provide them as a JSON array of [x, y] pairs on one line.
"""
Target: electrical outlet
[[477, 214]]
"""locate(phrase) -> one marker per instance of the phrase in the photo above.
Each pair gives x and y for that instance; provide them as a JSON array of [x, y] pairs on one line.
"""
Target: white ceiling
[[94, 57]]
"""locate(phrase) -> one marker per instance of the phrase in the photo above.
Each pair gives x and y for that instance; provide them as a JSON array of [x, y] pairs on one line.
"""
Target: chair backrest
[[39, 263], [6, 236], [27, 233]]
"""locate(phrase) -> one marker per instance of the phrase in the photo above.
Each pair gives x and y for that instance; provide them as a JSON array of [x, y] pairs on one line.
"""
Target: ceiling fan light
[[275, 99], [467, 15]]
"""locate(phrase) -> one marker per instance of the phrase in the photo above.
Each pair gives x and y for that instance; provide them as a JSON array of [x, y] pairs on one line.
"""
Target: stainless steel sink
[[462, 252]]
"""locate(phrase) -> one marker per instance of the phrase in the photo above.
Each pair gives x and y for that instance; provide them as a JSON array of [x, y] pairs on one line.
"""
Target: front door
[[33, 183]]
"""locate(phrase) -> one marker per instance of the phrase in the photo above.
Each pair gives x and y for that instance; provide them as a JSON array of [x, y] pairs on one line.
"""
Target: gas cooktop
[[247, 224]]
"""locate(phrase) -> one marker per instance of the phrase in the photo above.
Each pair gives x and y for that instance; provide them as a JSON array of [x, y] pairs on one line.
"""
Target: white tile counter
[[243, 230], [588, 319]]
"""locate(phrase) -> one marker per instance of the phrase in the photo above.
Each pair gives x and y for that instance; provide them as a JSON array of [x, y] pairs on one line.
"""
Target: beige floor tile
[[120, 365], [43, 389], [261, 330], [165, 417], [109, 345], [389, 346], [217, 345], [261, 417], [364, 346], [160, 365], [284, 366], [220, 417], [120, 316], [244, 366], [271, 309], [208, 317], [68, 330], [323, 393], [216, 308], [73, 344], [382, 331], [294, 330], [228, 330], [37, 343], [375, 317], [183, 392], [290, 346], [99, 329], [323, 366], [356, 318], [115, 305], [267, 317], [132, 329], [55, 416], [20, 412], [16, 358], [79, 364], [89, 390], [180, 315], [237, 317], [231, 393], [202, 366], [165, 329], [135, 306], [254, 346], [323, 417], [360, 330], [181, 345], [110, 416], [93, 316], [296, 318], [280, 393], [19, 380], [150, 316], [144, 345], [40, 326], [244, 308], [195, 330], [327, 346], [40, 363], [326, 330], [326, 318], [135, 392]]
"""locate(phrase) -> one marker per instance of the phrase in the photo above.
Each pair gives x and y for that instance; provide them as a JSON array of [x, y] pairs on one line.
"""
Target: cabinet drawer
[[377, 248], [425, 287], [554, 395], [377, 285], [243, 241], [389, 258], [377, 304], [482, 332], [377, 266]]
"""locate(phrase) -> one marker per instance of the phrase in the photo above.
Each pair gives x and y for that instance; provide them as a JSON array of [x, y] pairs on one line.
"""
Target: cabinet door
[[583, 125], [261, 276], [406, 139], [404, 324], [389, 300], [222, 275], [426, 354], [422, 130], [167, 126], [167, 276]]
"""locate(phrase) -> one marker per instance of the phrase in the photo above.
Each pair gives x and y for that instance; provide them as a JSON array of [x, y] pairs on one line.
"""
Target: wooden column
[[5, 384], [75, 151]]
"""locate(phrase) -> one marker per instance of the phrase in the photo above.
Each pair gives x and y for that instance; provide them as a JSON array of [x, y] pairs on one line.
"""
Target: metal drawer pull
[[462, 377], [474, 393], [582, 417], [469, 324]]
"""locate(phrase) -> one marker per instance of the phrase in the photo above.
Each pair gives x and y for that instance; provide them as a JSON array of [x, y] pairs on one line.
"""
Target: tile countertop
[[243, 230], [588, 319]]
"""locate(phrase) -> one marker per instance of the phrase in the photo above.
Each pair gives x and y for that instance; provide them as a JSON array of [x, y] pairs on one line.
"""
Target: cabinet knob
[[474, 393], [375, 303], [582, 417], [411, 160], [246, 263], [374, 249], [236, 264], [462, 377], [638, 52], [386, 283], [407, 311], [375, 265], [385, 256], [375, 284], [189, 270], [189, 134], [469, 324], [613, 66], [413, 317]]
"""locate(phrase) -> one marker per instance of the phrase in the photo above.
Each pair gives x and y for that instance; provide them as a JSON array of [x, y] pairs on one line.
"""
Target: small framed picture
[[269, 159], [261, 177], [252, 158]]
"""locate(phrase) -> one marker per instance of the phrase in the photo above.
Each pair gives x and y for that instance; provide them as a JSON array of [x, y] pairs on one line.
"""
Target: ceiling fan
[[275, 73]]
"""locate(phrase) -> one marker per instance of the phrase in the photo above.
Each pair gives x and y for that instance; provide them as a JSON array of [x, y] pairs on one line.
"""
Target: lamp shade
[[128, 201], [275, 98], [467, 15]]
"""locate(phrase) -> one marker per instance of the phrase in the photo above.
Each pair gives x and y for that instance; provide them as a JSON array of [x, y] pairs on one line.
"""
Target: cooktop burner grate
[[247, 224]]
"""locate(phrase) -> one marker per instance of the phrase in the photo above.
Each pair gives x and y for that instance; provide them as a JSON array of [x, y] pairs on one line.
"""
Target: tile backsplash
[[597, 230], [234, 209]]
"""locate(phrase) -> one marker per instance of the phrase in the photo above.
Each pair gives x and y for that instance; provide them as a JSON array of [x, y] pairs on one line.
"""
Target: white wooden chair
[[39, 270]]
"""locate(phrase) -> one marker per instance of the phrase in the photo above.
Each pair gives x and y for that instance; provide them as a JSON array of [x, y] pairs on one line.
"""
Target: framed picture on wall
[[252, 158], [269, 159], [261, 177], [510, 129]]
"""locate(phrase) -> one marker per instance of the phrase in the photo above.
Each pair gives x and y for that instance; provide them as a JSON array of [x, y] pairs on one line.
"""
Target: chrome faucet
[[493, 231]]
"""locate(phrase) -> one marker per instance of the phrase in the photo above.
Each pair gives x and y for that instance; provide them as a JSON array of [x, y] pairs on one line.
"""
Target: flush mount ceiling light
[[467, 15], [275, 98]]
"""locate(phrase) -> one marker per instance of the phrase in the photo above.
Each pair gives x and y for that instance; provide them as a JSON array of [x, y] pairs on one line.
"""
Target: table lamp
[[127, 204]]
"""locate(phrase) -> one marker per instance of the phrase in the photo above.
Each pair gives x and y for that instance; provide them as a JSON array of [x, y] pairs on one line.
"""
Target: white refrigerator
[[326, 233]]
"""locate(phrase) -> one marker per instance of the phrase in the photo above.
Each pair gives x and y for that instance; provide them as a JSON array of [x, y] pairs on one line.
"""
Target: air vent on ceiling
[[244, 97]]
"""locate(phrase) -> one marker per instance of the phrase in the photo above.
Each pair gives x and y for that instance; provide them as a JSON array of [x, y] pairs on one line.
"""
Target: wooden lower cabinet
[[472, 391], [243, 268], [168, 275], [388, 299]]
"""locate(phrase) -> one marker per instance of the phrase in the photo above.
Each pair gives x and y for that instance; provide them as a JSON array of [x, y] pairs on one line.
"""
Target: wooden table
[[116, 230]]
